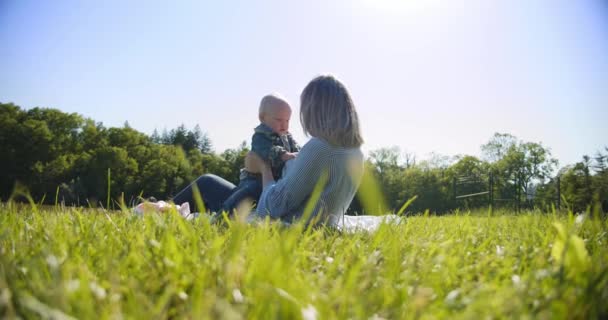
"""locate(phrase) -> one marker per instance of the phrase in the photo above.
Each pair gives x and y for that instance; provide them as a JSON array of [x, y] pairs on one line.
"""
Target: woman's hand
[[288, 156], [255, 164]]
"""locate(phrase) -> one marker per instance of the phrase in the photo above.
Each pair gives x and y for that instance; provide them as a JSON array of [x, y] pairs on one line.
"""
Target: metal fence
[[489, 186]]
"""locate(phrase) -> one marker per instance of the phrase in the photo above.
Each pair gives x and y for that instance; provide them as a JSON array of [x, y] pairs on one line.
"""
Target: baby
[[272, 142]]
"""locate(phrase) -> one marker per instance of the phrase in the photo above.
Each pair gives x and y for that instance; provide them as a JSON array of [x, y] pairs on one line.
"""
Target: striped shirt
[[334, 171]]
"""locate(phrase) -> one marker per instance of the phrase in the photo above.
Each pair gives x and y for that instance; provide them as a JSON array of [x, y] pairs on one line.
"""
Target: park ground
[[63, 263]]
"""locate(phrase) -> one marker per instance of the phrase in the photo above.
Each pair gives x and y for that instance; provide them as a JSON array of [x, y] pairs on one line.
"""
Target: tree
[[185, 138], [384, 164], [400, 182], [92, 169], [498, 146], [601, 162], [45, 149], [206, 146], [167, 172], [179, 137], [385, 159], [438, 161], [471, 175], [600, 179], [38, 147], [215, 164], [581, 187], [518, 164], [235, 159], [92, 136], [576, 186], [410, 159], [155, 137], [12, 139], [429, 187]]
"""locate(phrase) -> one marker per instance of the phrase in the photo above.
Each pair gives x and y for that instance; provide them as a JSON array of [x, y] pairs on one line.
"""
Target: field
[[88, 264]]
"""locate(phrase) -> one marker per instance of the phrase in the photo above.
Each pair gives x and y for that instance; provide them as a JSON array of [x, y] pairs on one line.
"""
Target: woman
[[323, 179]]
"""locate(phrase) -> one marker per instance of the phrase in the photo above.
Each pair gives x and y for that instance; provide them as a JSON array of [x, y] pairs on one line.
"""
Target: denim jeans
[[249, 188], [214, 191], [219, 194]]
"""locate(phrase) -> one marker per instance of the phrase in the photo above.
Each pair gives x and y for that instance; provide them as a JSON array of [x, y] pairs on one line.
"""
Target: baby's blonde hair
[[327, 111], [268, 102]]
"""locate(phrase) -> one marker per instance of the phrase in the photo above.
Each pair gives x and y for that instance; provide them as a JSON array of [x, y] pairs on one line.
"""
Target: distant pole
[[518, 193], [454, 188], [559, 195], [491, 191]]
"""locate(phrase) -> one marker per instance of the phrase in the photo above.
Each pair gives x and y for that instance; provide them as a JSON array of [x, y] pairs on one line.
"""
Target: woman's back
[[335, 170]]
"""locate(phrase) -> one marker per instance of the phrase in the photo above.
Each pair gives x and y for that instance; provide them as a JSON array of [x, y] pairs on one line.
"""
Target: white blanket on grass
[[346, 224], [365, 223]]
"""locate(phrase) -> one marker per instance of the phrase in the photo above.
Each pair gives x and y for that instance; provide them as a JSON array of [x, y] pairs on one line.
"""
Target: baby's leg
[[248, 189]]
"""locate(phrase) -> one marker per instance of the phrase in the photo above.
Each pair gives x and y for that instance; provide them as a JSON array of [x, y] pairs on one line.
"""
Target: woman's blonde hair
[[328, 112]]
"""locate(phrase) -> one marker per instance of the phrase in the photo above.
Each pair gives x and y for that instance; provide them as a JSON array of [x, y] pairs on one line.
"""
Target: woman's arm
[[253, 163], [292, 191]]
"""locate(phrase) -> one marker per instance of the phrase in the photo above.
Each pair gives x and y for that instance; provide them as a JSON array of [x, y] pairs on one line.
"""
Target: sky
[[427, 76]]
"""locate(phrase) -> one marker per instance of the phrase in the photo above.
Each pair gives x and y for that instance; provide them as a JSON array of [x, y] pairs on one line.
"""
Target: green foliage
[[518, 164], [475, 174], [577, 186], [235, 159], [581, 188], [51, 152], [400, 182], [64, 156], [520, 172], [370, 194], [188, 140], [84, 263], [569, 252], [498, 146]]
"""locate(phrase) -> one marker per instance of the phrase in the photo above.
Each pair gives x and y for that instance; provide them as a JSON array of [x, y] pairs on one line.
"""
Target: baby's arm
[[289, 155], [277, 154], [295, 147], [261, 144]]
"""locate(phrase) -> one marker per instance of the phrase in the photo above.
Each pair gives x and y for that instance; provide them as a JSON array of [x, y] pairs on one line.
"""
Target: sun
[[400, 7]]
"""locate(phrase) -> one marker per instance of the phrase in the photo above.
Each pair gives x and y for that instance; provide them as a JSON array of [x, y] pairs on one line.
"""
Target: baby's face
[[278, 118]]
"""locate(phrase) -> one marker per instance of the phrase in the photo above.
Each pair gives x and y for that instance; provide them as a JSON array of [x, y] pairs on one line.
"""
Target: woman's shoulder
[[322, 146], [316, 142]]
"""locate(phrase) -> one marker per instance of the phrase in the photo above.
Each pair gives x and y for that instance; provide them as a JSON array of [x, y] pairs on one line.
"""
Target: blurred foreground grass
[[64, 263]]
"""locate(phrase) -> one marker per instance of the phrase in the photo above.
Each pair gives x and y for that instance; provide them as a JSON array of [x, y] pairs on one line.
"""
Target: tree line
[[65, 157], [511, 173]]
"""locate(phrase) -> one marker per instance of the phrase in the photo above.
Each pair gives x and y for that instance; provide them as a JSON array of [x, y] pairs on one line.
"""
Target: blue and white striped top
[[287, 198]]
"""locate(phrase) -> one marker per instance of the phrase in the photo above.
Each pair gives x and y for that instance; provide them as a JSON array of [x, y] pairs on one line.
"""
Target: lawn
[[84, 263]]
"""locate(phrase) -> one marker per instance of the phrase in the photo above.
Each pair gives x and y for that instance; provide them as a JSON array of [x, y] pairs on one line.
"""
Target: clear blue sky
[[426, 75]]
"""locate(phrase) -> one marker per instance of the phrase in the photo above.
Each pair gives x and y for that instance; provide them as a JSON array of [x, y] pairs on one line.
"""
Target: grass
[[84, 263]]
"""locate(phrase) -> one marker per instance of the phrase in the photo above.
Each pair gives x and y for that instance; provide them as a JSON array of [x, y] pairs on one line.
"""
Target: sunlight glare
[[400, 7]]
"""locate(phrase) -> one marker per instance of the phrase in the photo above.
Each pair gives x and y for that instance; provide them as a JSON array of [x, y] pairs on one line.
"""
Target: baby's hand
[[288, 156]]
